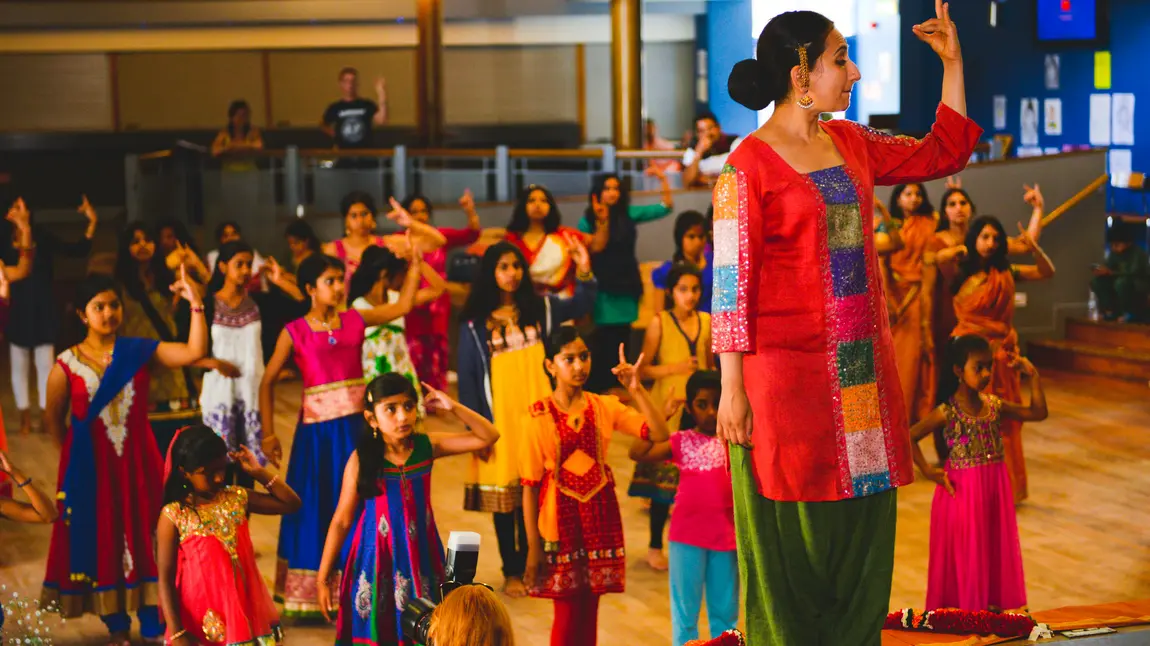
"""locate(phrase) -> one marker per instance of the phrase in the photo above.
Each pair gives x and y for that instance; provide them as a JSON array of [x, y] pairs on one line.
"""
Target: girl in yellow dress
[[500, 354], [679, 338]]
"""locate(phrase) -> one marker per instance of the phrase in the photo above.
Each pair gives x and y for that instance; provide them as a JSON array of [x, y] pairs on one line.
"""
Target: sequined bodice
[[329, 358], [973, 441], [222, 518]]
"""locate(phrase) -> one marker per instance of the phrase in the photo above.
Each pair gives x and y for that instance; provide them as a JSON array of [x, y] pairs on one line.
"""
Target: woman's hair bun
[[747, 85]]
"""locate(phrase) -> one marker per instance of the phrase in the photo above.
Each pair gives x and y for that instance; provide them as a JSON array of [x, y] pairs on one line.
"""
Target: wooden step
[[1126, 336], [1078, 356]]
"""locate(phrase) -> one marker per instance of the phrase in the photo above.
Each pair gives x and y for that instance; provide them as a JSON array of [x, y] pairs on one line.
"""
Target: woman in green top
[[613, 221]]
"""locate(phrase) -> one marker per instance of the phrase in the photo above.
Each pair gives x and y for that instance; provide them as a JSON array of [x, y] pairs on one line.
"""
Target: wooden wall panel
[[187, 89], [304, 83], [522, 84], [55, 92]]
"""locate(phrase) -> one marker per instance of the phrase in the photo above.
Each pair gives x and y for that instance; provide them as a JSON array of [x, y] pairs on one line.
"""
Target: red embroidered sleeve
[[901, 159]]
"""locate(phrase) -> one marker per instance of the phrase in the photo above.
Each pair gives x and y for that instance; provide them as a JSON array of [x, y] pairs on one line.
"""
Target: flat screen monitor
[[1069, 22]]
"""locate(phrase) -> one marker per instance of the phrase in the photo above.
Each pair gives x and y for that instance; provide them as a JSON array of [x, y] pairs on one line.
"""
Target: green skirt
[[815, 573]]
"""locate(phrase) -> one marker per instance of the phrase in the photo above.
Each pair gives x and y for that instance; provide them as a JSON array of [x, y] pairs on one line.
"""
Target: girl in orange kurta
[[984, 305], [908, 276], [575, 534]]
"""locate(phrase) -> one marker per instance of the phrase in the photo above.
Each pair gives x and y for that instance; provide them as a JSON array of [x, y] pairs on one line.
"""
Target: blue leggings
[[694, 569], [149, 616]]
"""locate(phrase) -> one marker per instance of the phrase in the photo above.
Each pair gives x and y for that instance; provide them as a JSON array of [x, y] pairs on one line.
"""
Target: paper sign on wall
[[999, 112], [1052, 124], [1120, 166], [1101, 70], [1029, 120], [1053, 71], [1122, 127], [1099, 119]]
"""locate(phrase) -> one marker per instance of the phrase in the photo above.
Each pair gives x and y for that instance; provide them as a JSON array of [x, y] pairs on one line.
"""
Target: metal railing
[[195, 187]]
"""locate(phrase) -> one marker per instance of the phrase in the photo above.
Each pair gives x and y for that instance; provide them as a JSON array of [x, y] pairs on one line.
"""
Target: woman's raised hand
[[436, 401], [1025, 238], [1032, 195], [580, 255], [941, 34], [628, 373], [601, 211], [18, 213], [398, 214], [86, 209], [184, 289]]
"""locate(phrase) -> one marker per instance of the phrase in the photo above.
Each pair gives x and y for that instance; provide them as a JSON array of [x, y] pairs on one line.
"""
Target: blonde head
[[471, 616]]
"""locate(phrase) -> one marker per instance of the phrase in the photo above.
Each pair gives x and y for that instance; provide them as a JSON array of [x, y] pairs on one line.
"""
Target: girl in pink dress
[[703, 552], [327, 345], [426, 326], [210, 588], [975, 556]]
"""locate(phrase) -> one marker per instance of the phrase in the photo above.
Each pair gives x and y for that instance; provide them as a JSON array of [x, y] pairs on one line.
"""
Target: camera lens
[[416, 620]]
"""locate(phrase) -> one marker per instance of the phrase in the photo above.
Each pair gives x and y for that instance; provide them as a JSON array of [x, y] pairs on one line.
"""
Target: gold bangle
[[271, 482], [177, 635], [584, 277]]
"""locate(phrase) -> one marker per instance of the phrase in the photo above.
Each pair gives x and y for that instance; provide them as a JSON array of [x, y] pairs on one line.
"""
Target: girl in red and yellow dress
[[210, 588], [101, 559], [574, 532]]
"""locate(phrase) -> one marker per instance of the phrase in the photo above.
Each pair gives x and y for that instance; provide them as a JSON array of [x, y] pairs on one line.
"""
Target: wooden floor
[[1085, 531]]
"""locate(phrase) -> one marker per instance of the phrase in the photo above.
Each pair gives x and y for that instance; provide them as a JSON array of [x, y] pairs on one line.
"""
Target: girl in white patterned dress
[[230, 397]]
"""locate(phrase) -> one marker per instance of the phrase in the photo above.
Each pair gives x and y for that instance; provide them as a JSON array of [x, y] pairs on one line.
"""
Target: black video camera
[[462, 559]]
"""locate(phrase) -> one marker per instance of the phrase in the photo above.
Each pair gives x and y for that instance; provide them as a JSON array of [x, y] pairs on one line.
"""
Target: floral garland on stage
[[728, 638], [952, 621]]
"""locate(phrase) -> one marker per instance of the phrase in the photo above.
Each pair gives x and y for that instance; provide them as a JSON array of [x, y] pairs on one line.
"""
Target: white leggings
[[22, 358]]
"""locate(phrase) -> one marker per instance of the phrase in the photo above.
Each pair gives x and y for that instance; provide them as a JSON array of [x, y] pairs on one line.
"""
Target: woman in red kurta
[[799, 322]]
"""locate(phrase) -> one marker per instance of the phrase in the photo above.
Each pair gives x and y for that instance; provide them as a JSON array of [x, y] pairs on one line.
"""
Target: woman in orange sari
[[908, 276], [984, 305]]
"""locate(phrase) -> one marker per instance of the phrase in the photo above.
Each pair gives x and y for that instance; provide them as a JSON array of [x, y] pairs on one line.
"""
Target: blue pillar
[[728, 40]]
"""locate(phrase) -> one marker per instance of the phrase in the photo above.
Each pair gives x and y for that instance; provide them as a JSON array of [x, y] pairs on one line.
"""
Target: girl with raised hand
[[390, 280], [984, 291], [229, 400], [574, 530], [358, 210], [426, 326], [396, 554], [101, 559], [211, 590], [327, 345], [501, 336], [975, 557]]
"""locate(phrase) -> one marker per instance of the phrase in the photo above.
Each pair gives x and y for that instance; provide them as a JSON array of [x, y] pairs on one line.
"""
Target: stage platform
[[1130, 619]]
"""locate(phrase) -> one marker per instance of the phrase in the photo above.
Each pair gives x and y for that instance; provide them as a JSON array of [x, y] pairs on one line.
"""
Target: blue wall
[[1006, 60], [727, 38]]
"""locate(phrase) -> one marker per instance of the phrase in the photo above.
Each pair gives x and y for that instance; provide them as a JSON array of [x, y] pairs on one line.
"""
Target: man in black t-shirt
[[349, 120]]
